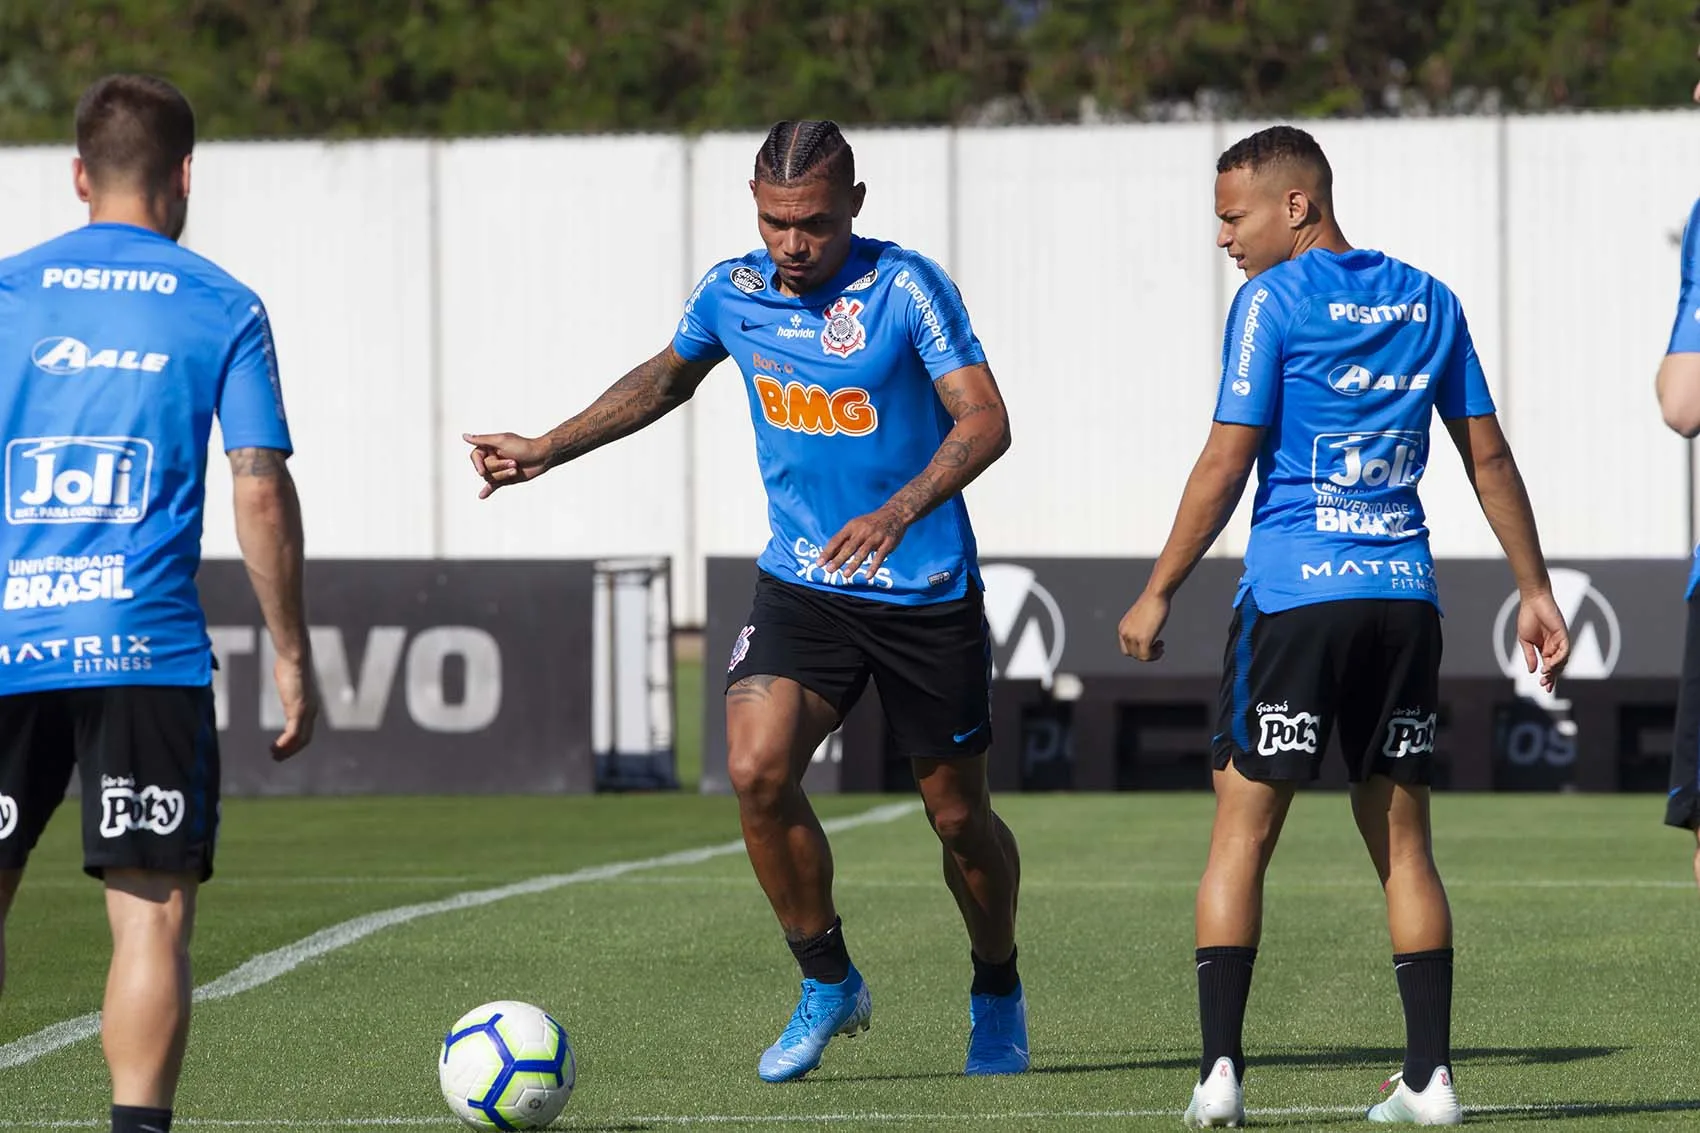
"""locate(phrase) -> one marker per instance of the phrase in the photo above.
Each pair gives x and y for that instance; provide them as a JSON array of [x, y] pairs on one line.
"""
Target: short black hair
[[1280, 145], [800, 151], [134, 130]]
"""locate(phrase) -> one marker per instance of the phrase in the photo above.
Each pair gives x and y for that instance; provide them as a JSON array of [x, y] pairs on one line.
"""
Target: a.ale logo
[[813, 410]]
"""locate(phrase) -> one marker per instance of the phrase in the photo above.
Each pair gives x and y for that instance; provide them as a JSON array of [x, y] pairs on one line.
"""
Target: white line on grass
[[1050, 885], [867, 1117], [268, 966]]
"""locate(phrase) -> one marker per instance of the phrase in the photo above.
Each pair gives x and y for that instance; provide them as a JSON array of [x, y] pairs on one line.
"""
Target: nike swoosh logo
[[963, 737], [745, 324]]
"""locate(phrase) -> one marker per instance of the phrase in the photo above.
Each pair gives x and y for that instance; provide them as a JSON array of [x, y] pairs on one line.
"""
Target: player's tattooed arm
[[269, 532], [981, 435], [645, 395]]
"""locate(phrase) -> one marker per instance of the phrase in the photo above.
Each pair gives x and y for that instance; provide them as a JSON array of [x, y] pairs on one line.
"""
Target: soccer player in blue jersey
[[1335, 359], [873, 408], [118, 348], [1678, 388]]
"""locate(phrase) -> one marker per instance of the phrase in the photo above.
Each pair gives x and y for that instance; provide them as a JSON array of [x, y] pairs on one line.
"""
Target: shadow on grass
[[1385, 1057], [1560, 1111]]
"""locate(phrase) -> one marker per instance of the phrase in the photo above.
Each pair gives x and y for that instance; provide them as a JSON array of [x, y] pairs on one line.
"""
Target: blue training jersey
[[1685, 333], [840, 385], [1342, 358], [117, 349]]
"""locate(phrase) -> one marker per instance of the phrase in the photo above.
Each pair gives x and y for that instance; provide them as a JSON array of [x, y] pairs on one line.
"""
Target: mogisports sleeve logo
[[1247, 343], [269, 349], [691, 303]]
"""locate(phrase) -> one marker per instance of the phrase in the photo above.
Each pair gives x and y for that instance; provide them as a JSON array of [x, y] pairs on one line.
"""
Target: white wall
[[422, 289]]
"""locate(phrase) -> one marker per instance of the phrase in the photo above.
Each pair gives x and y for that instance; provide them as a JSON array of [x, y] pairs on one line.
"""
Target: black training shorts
[[932, 664], [1370, 665], [149, 761], [1682, 807]]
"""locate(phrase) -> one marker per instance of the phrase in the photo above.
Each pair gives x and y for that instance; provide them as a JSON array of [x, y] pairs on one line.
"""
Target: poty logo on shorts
[[1409, 735], [150, 810], [1596, 637], [1279, 732], [1026, 623], [62, 355], [8, 816], [78, 479]]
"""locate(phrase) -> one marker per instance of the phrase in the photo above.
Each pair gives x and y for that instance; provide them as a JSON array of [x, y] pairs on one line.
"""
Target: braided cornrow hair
[[800, 151]]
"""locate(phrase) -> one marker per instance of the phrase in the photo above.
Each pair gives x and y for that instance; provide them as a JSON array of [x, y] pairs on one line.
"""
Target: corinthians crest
[[844, 333]]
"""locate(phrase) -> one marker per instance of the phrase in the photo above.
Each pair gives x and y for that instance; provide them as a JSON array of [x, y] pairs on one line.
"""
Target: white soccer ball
[[506, 1066]]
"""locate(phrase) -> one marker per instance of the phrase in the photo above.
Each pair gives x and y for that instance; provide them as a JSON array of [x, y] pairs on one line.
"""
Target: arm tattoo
[[646, 394], [980, 436], [265, 463], [956, 402], [954, 454]]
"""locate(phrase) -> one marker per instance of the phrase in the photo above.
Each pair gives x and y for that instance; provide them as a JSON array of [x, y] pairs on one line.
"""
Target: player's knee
[[760, 778], [148, 904], [961, 822]]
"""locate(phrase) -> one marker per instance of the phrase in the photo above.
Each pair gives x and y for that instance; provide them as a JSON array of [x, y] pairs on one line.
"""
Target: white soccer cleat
[[1218, 1102], [1437, 1105]]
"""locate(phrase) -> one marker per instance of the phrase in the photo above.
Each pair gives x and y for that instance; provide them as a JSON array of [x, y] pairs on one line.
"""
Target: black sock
[[140, 1119], [1425, 988], [994, 979], [1224, 983], [824, 958]]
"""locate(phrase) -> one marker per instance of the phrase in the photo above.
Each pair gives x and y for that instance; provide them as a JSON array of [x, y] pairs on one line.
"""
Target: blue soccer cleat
[[997, 1040], [823, 1011]]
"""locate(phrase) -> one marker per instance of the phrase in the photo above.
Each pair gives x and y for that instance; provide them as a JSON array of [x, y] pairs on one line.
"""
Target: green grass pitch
[[1577, 924]]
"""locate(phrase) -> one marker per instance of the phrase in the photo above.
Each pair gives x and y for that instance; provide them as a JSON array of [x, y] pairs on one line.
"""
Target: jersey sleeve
[[1252, 358], [250, 406], [1462, 390], [697, 339], [1685, 332], [935, 317]]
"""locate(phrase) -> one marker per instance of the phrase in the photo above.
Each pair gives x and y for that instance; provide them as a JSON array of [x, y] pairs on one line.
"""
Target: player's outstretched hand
[[1141, 626], [864, 543], [1545, 640], [300, 698], [501, 459]]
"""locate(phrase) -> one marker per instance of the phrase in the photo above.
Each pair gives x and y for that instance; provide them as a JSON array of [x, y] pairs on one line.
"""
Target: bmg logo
[[78, 479]]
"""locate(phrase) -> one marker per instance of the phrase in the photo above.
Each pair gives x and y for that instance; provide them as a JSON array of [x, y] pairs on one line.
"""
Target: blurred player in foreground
[[119, 349], [1678, 388], [1334, 360], [873, 408]]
